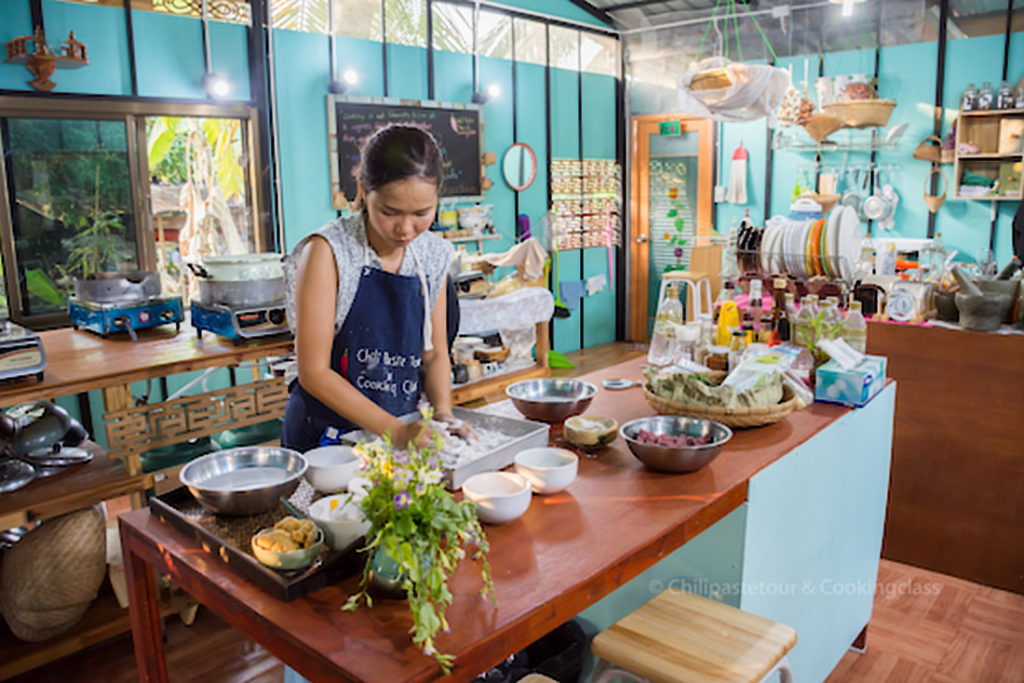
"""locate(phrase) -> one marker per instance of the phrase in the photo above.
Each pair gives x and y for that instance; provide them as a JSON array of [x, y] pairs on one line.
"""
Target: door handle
[[641, 239]]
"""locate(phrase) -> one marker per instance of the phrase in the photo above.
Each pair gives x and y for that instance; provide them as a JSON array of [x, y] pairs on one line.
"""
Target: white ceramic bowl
[[549, 470], [343, 531], [499, 496], [331, 467]]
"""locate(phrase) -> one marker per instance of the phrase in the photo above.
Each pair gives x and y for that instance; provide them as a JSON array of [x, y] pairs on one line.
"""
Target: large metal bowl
[[675, 459], [244, 481], [551, 399]]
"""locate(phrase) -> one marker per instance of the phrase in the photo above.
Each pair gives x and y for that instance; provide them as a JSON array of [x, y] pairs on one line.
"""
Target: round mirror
[[519, 166]]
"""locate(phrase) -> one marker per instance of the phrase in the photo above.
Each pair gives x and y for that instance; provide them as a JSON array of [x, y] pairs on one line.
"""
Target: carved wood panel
[[143, 428]]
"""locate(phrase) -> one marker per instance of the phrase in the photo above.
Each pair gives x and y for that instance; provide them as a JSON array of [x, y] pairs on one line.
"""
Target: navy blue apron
[[379, 349]]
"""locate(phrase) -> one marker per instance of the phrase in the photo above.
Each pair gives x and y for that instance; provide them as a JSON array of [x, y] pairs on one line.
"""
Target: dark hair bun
[[397, 152]]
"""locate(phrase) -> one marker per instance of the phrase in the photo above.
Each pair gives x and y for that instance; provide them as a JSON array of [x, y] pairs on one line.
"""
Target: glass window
[[358, 19], [494, 35], [600, 54], [453, 27], [71, 205], [234, 11], [300, 15], [406, 22], [199, 193], [565, 44], [530, 37]]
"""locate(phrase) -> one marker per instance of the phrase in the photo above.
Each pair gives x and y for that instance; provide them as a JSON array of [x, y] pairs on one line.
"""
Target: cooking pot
[[118, 287], [242, 292], [240, 267]]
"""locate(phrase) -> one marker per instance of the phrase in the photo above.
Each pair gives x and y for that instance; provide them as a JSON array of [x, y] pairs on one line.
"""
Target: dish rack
[[750, 266]]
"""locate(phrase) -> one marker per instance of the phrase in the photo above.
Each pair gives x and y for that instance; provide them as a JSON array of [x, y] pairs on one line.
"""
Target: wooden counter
[[568, 551], [956, 501]]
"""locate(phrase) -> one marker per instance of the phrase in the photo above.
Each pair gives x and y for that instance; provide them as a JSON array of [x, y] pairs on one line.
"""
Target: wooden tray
[[227, 538]]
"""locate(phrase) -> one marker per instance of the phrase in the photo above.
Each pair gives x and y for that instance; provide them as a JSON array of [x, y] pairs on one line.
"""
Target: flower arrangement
[[415, 520]]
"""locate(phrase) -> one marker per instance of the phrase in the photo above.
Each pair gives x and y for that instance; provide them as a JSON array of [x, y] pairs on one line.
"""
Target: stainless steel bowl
[[551, 399], [244, 481], [675, 459]]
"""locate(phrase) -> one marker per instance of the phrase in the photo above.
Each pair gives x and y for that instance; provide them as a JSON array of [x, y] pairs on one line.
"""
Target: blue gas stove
[[105, 318], [239, 322]]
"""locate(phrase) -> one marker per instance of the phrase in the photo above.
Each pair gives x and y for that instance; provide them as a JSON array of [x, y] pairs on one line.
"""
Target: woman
[[382, 274]]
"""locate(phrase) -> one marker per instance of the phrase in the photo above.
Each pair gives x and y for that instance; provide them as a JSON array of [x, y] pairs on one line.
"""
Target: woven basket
[[862, 113], [52, 575], [730, 417], [820, 126]]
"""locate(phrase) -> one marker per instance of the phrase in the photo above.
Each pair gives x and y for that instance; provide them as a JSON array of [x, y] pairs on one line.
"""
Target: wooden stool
[[679, 636]]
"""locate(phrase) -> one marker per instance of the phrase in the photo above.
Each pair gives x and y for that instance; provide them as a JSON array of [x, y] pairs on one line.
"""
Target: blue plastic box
[[853, 387]]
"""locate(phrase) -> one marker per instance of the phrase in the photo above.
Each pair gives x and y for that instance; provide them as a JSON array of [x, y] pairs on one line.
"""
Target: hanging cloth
[[737, 192]]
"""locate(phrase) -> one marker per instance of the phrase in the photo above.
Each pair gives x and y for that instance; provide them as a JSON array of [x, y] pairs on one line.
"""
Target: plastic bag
[[756, 90]]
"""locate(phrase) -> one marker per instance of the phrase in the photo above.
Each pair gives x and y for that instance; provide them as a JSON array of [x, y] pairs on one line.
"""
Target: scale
[[104, 318], [21, 352], [239, 322]]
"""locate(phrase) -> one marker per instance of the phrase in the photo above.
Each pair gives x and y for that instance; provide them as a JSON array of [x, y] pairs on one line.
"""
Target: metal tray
[[522, 434], [227, 538]]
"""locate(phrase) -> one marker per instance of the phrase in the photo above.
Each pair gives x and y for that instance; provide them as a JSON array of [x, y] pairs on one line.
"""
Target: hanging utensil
[[933, 202]]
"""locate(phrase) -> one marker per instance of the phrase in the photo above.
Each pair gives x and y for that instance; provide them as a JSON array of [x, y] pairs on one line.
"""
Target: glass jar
[[859, 88], [969, 100], [1004, 97], [986, 97], [1020, 97]]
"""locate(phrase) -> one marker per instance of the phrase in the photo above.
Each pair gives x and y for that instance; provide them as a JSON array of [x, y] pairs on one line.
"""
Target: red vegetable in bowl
[[646, 436]]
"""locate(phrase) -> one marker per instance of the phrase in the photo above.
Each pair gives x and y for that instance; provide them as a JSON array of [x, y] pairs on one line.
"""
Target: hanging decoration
[[724, 90], [42, 60]]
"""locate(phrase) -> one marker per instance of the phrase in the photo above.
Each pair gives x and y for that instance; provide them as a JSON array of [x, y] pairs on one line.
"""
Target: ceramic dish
[[833, 237], [343, 524], [549, 470], [814, 248], [500, 497], [296, 559], [331, 467], [848, 245], [826, 256], [590, 432]]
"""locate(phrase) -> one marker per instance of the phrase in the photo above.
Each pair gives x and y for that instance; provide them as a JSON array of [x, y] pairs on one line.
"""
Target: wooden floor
[[926, 627]]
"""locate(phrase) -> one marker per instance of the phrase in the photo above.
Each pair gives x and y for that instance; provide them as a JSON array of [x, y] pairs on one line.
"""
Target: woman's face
[[401, 210]]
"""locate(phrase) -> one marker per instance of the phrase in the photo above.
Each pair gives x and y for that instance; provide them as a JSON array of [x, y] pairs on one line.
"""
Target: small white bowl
[[341, 532], [499, 496], [331, 467], [549, 470]]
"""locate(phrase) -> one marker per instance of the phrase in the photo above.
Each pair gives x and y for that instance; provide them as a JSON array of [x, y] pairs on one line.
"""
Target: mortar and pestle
[[980, 311]]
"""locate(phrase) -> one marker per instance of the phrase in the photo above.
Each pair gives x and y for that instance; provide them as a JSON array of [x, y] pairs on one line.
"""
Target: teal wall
[[301, 111]]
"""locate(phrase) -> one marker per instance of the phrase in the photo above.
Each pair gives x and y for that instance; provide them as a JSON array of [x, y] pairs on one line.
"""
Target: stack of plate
[[828, 247]]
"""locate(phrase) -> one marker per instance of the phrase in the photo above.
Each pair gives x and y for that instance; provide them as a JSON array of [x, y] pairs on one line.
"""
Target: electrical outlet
[[719, 194]]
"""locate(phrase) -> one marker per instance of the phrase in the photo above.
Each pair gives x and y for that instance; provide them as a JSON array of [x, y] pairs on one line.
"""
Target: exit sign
[[668, 128]]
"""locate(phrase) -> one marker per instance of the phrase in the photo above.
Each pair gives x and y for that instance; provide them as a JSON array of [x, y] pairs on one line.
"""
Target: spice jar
[[1004, 97], [986, 97], [969, 99]]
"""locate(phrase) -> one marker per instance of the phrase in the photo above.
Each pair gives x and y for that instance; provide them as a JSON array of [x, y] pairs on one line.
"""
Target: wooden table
[[78, 361], [956, 502], [568, 551]]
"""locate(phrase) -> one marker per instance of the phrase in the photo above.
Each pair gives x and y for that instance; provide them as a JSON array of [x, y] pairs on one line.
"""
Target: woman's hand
[[417, 432], [455, 426]]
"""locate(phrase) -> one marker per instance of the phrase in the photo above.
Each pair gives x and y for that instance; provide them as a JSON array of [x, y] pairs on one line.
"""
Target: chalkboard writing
[[457, 129]]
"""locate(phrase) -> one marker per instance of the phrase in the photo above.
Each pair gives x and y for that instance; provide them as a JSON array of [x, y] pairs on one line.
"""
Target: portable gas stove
[[21, 352], [121, 316], [240, 322]]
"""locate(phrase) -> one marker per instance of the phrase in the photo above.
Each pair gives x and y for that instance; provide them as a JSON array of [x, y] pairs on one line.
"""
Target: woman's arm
[[316, 299], [437, 369]]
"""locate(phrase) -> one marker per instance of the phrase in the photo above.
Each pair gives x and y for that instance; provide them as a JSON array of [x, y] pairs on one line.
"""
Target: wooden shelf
[[996, 198], [993, 156], [473, 238], [994, 112], [77, 487], [104, 620]]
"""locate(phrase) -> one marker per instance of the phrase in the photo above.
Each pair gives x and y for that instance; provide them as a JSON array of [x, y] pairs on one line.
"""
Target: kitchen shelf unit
[[983, 129], [79, 361]]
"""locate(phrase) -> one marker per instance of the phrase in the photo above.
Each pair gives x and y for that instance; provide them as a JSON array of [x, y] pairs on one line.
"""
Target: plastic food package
[[756, 90]]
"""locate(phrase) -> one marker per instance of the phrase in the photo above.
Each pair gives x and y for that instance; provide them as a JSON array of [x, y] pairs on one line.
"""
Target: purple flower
[[679, 252], [402, 500]]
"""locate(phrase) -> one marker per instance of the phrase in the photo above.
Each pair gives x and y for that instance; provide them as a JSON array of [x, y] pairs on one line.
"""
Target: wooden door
[[670, 160]]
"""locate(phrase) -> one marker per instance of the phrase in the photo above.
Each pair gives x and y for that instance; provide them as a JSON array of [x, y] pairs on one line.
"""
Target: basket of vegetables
[[702, 395]]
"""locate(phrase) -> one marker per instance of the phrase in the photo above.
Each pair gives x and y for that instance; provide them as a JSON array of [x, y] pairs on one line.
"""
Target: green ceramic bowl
[[296, 559], [591, 433]]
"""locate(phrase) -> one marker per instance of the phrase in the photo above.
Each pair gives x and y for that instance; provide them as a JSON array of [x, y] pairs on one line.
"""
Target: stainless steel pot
[[117, 287], [240, 267], [241, 292]]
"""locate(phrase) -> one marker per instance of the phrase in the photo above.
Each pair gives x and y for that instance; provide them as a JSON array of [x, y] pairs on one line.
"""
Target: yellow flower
[[668, 235]]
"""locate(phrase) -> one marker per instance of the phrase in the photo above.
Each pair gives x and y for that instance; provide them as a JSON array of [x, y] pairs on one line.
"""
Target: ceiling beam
[[633, 4], [596, 12]]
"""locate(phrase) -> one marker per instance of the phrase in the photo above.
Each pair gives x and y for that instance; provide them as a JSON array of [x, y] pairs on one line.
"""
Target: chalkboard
[[458, 129]]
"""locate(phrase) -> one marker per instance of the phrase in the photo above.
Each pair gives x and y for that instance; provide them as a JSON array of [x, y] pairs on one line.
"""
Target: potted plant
[[418, 528]]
